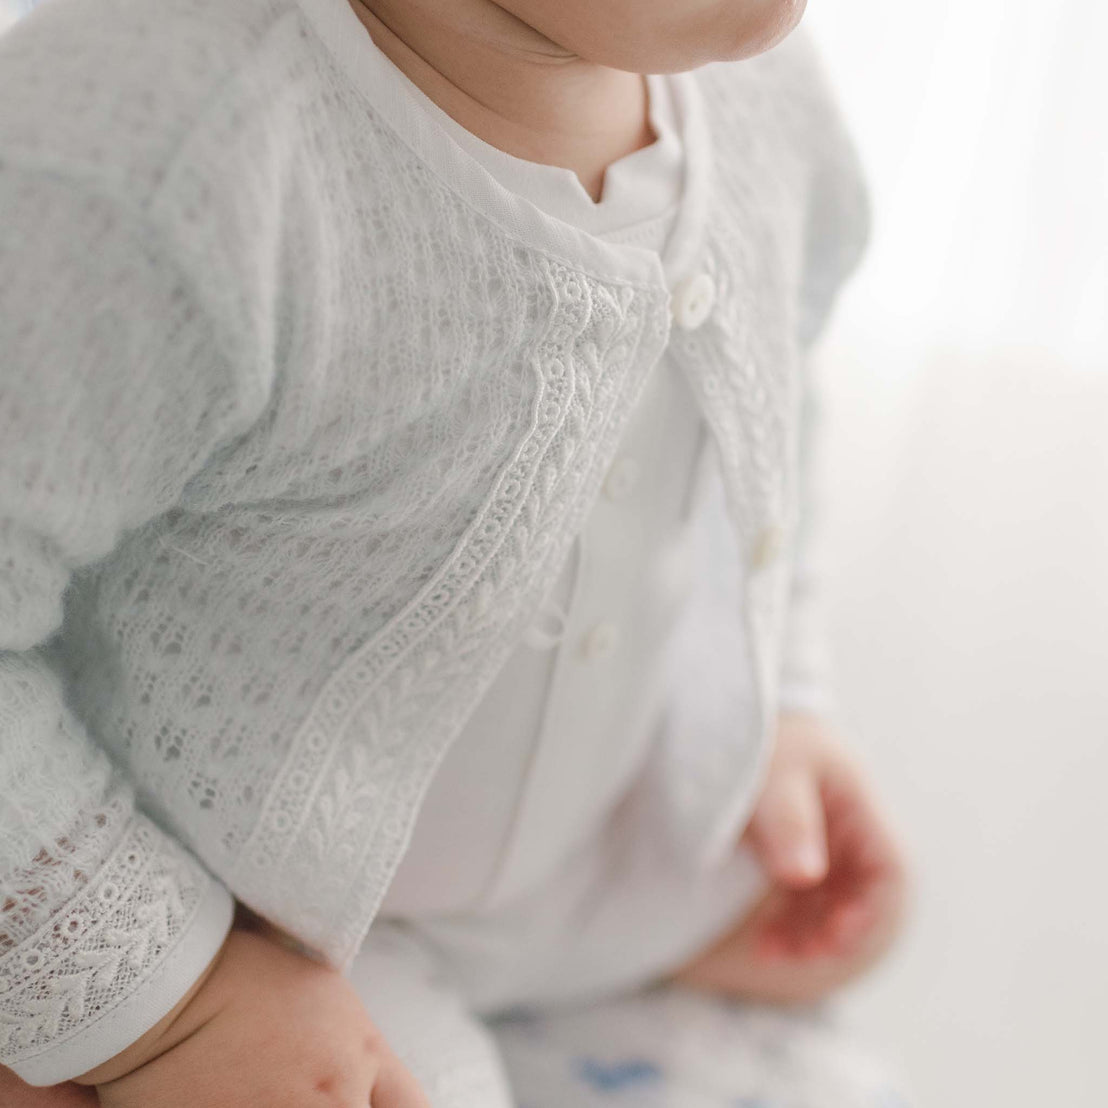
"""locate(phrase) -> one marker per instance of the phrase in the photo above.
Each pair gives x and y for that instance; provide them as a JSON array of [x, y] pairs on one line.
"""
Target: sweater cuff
[[97, 1042], [811, 697]]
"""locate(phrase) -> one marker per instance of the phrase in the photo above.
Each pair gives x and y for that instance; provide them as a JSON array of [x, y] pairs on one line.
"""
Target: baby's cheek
[[754, 26]]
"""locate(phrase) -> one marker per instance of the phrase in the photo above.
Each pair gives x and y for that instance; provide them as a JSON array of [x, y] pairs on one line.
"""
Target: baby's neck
[[511, 86]]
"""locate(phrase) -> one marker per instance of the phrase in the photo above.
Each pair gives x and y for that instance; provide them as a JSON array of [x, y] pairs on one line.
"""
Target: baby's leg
[[675, 1048], [447, 1049]]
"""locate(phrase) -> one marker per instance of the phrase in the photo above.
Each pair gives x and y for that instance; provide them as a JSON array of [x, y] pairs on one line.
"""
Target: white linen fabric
[[641, 190], [659, 1048], [560, 733], [613, 915], [301, 412]]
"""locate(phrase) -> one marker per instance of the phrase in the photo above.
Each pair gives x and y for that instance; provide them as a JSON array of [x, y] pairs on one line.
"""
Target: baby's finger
[[788, 830], [850, 922], [795, 941], [395, 1087], [858, 828]]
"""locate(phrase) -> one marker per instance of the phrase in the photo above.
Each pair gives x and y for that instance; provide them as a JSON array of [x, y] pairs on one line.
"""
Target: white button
[[767, 548], [548, 629], [693, 300], [600, 641], [622, 479]]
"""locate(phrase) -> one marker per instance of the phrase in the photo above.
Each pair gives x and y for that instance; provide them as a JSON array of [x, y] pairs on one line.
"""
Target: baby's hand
[[267, 1028], [838, 882], [14, 1093]]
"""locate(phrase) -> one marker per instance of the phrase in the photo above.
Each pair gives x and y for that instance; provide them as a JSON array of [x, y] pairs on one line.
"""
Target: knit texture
[[296, 435]]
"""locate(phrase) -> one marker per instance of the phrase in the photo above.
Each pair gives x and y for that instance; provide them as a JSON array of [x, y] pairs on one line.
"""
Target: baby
[[404, 599]]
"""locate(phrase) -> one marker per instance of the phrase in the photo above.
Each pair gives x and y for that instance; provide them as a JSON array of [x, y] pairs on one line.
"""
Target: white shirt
[[560, 734]]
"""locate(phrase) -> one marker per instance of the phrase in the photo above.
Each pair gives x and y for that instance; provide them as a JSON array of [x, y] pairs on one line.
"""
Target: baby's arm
[[262, 1026], [269, 1027], [838, 879], [116, 951], [111, 396], [15, 1093], [836, 230]]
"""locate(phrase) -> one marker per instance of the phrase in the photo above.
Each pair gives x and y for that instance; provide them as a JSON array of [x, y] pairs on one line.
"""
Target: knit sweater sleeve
[[805, 679], [113, 392], [837, 231]]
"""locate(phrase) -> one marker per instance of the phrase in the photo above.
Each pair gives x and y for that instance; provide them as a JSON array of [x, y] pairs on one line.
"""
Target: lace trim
[[750, 387], [342, 806], [345, 801], [96, 953], [54, 867]]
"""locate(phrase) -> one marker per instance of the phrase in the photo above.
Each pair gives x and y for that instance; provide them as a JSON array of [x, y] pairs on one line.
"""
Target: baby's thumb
[[788, 831]]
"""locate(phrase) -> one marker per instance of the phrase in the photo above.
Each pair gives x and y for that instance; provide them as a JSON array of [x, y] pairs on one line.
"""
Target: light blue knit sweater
[[299, 414]]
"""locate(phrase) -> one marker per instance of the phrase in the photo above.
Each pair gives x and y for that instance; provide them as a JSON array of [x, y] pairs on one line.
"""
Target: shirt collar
[[406, 110]]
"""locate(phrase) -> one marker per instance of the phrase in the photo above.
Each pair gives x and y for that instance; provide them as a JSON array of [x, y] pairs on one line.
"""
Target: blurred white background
[[967, 380], [967, 527]]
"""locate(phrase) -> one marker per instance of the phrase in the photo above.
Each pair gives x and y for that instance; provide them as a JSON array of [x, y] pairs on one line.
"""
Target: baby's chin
[[671, 36], [764, 25]]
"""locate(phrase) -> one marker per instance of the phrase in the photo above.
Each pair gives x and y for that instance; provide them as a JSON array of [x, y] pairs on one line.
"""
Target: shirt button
[[767, 548], [622, 479], [600, 642], [692, 301], [548, 629]]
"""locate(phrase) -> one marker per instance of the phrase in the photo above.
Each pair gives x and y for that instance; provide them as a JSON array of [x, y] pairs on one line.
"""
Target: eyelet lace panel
[[347, 795], [110, 938]]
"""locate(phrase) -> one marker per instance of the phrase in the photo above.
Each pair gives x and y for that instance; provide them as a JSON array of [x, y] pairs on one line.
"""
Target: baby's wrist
[[149, 1044]]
